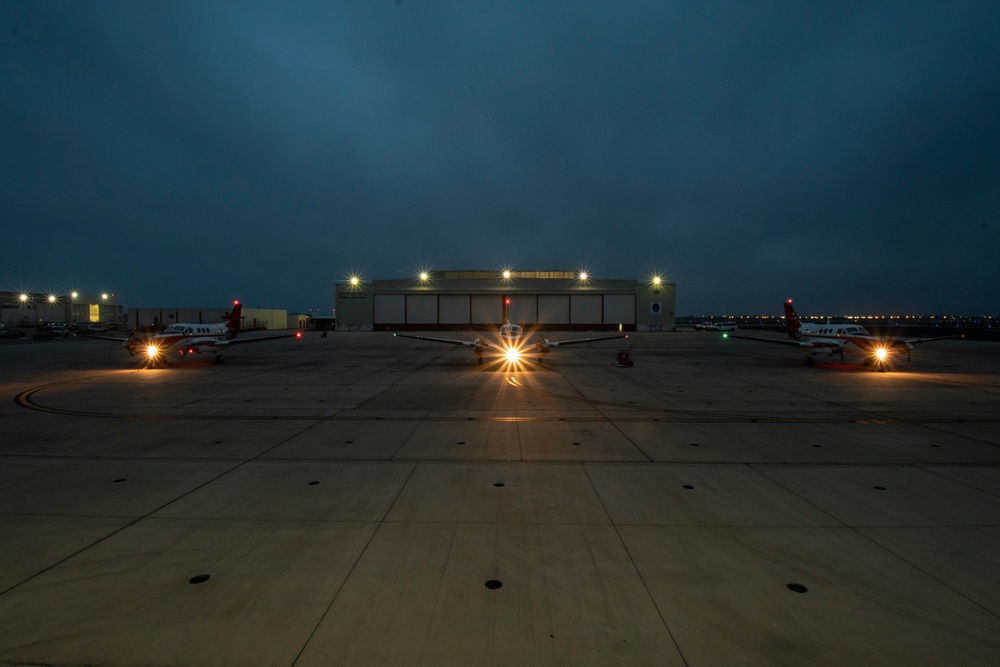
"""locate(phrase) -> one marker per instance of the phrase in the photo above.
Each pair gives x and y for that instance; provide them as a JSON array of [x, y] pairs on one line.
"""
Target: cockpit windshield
[[510, 332]]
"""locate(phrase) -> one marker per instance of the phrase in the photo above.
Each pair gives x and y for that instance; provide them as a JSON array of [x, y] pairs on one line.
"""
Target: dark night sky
[[843, 154]]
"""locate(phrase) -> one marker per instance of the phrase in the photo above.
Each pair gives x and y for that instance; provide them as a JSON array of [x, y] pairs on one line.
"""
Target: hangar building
[[553, 300]]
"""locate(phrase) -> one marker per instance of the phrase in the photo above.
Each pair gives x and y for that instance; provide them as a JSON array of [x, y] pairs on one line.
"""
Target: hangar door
[[619, 309], [390, 308], [585, 309], [553, 308], [454, 308], [523, 309], [486, 309], [421, 309]]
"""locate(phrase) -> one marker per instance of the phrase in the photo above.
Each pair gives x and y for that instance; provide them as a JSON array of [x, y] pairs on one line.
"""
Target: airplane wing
[[452, 341], [779, 341], [556, 343], [257, 339], [114, 338], [894, 340]]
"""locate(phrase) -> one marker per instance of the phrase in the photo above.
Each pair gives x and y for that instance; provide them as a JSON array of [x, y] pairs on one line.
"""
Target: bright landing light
[[152, 351], [513, 354], [881, 353]]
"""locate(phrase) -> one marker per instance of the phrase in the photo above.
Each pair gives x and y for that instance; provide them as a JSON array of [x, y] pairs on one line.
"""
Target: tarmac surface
[[362, 499]]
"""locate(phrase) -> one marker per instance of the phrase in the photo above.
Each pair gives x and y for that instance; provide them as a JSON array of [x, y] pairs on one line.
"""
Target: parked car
[[6, 332], [43, 333]]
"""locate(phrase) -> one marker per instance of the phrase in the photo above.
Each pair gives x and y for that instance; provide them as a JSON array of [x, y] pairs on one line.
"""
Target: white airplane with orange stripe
[[833, 339], [184, 341]]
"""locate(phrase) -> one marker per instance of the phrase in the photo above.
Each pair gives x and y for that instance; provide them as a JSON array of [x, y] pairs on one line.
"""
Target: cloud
[[838, 153]]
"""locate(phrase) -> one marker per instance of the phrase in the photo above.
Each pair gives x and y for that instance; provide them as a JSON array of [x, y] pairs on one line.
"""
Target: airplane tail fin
[[233, 323], [792, 323]]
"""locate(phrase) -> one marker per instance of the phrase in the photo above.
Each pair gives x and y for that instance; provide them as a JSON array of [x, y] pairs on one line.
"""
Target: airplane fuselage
[[180, 341]]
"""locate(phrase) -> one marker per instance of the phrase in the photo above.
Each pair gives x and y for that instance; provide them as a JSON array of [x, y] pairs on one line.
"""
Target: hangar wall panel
[[390, 308], [553, 308], [523, 309], [421, 309], [454, 309], [486, 309], [585, 308], [619, 309]]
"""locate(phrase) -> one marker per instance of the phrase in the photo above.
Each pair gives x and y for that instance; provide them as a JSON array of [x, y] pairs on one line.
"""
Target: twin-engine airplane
[[184, 341], [511, 345], [833, 339]]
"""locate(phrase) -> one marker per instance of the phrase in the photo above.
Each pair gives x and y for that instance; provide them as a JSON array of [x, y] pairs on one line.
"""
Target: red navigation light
[[507, 302], [298, 334]]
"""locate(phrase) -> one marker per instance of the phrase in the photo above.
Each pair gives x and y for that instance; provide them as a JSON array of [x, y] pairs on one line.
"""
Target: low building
[[21, 309], [553, 300]]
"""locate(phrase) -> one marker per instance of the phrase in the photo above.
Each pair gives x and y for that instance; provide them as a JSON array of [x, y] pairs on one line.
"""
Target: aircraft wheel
[[809, 361], [480, 361], [218, 359]]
